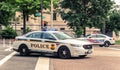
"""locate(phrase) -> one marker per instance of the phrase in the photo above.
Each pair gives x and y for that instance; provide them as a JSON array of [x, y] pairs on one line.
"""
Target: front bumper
[[81, 51]]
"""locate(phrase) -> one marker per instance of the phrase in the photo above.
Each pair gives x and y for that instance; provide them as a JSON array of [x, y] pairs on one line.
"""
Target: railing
[[6, 42]]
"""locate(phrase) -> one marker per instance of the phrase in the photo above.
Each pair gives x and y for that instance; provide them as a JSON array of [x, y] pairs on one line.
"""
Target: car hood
[[20, 37], [75, 41], [82, 38]]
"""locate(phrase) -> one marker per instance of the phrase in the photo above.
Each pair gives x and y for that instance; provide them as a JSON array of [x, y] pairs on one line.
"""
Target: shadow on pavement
[[36, 55]]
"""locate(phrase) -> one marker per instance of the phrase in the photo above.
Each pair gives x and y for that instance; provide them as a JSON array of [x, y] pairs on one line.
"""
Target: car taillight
[[14, 40], [113, 38]]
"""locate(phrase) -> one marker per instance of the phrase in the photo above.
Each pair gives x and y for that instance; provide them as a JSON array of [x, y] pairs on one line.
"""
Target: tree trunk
[[24, 22]]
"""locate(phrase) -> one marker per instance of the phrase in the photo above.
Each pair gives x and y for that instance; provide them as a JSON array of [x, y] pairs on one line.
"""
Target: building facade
[[34, 23]]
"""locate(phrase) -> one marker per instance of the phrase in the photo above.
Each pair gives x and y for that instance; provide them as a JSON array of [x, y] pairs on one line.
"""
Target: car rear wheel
[[24, 51], [64, 52], [106, 44], [101, 45]]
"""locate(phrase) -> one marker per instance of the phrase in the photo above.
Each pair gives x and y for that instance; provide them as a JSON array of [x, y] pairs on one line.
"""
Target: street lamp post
[[51, 13], [84, 26], [41, 15]]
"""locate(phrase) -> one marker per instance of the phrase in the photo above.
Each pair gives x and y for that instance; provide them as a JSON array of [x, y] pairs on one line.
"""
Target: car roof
[[97, 34], [43, 31], [47, 31]]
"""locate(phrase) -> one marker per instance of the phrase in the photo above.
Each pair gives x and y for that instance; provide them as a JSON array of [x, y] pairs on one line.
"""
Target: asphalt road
[[102, 58]]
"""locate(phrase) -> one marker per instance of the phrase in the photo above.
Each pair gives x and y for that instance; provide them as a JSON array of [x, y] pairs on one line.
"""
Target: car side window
[[34, 35], [100, 36], [92, 36], [48, 36]]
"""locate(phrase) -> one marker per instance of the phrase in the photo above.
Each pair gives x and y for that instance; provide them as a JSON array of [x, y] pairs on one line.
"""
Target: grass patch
[[117, 41]]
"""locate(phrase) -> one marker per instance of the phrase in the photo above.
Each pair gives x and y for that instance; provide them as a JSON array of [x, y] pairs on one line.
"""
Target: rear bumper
[[112, 43]]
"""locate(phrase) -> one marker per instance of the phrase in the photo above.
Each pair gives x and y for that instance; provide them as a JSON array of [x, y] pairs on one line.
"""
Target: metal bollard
[[4, 43], [10, 43]]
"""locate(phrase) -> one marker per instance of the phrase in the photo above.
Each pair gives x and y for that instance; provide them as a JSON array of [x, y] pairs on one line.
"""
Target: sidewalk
[[5, 45], [6, 41], [116, 45]]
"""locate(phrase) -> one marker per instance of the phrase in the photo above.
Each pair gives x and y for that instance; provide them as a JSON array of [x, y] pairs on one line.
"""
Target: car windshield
[[62, 36], [87, 35]]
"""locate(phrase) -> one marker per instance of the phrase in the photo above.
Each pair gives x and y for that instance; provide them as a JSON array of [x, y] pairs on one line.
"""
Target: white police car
[[54, 42], [99, 39]]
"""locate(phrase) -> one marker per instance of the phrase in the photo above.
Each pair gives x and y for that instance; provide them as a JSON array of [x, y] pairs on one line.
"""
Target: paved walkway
[[6, 41]]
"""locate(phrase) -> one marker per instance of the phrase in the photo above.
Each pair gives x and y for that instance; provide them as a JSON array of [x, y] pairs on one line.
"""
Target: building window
[[54, 16], [62, 28]]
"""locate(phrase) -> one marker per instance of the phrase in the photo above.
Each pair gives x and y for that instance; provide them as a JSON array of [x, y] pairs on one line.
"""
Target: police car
[[53, 42], [99, 39]]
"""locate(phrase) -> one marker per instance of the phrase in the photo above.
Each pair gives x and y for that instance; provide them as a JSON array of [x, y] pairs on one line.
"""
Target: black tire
[[24, 51], [64, 53], [82, 56], [107, 44], [101, 45]]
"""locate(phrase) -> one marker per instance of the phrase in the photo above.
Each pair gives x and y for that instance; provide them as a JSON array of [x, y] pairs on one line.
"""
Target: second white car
[[99, 39]]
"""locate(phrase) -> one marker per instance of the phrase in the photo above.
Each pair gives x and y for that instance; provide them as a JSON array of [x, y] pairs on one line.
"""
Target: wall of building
[[34, 23]]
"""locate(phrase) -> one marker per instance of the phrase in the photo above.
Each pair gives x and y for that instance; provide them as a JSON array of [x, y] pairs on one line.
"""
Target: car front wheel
[[64, 52], [24, 51]]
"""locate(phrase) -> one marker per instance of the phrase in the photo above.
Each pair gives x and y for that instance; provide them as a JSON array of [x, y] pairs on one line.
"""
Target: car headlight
[[75, 45], [87, 46]]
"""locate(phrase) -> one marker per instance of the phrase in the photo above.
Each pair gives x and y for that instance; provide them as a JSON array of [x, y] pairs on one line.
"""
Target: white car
[[53, 42], [99, 39]]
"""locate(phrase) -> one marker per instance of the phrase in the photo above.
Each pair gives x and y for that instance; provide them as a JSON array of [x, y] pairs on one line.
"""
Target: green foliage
[[8, 33], [25, 6], [115, 19], [4, 17], [9, 7], [114, 22], [82, 13], [79, 32], [100, 11], [32, 6], [117, 42], [6, 13], [28, 30], [28, 7]]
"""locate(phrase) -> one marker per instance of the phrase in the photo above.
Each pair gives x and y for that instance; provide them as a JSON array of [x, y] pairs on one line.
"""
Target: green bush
[[117, 41], [8, 33], [78, 33], [28, 30]]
